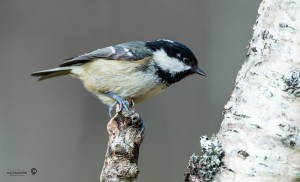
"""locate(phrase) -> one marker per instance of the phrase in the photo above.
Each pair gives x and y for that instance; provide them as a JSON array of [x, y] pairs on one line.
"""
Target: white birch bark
[[260, 133]]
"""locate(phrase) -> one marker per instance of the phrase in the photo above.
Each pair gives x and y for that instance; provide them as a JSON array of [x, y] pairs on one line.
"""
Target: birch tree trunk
[[260, 133]]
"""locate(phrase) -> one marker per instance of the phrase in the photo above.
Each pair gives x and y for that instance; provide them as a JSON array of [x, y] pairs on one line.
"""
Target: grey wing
[[131, 51]]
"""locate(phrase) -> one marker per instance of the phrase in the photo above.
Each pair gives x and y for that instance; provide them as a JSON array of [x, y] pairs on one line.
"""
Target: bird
[[131, 72]]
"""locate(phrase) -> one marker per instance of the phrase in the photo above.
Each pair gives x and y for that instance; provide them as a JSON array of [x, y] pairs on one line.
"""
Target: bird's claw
[[111, 107], [121, 102]]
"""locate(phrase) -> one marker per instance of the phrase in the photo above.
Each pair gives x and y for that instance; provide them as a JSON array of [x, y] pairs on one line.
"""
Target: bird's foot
[[121, 102]]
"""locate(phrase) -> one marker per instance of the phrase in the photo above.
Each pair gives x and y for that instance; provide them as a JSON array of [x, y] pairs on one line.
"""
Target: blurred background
[[59, 128]]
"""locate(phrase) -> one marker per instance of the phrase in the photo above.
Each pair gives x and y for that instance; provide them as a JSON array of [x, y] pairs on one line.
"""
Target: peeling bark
[[126, 133], [260, 133]]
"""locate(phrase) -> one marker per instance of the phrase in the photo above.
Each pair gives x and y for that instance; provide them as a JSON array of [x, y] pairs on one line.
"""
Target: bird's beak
[[199, 71]]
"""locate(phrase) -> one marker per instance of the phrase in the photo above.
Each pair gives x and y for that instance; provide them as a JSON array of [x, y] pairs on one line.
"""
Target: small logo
[[16, 172], [33, 171]]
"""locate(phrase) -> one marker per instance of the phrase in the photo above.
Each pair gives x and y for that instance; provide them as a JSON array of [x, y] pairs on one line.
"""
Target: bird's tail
[[45, 74]]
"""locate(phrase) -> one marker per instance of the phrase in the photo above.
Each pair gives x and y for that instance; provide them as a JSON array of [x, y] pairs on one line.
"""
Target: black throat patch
[[169, 78]]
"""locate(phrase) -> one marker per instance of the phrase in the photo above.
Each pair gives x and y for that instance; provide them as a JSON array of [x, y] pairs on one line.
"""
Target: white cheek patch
[[171, 65]]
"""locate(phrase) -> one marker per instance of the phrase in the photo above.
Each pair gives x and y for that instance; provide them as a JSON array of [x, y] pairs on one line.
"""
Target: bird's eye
[[185, 59]]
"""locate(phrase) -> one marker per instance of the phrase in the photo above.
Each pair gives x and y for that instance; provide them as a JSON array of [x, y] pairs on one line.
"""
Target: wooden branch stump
[[126, 134]]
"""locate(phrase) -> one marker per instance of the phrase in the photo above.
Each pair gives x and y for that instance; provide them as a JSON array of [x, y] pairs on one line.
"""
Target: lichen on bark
[[204, 167]]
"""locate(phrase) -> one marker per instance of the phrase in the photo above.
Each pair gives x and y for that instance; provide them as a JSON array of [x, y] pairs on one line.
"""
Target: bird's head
[[174, 61]]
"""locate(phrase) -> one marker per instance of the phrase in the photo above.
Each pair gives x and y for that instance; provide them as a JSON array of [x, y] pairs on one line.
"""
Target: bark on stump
[[126, 133]]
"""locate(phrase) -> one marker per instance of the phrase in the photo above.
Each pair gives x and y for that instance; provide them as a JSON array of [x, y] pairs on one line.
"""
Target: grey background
[[59, 128]]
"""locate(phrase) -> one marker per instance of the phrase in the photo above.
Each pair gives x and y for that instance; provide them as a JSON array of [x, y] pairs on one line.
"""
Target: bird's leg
[[122, 103]]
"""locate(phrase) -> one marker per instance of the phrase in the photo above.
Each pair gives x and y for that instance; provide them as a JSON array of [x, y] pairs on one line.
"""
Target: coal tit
[[133, 71]]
